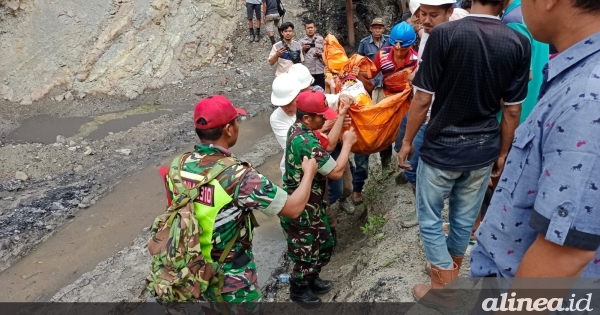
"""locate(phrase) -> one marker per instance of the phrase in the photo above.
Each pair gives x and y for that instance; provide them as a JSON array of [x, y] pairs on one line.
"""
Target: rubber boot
[[257, 38], [445, 301], [456, 259], [251, 36], [320, 286], [303, 295], [272, 38], [410, 220]]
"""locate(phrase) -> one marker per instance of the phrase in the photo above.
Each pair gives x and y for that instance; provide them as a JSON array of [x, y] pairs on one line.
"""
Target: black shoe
[[401, 178], [251, 36], [257, 37], [303, 295], [272, 38], [320, 286]]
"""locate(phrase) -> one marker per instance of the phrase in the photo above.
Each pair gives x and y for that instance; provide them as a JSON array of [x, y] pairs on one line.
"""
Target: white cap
[[459, 14], [285, 89], [436, 2], [413, 5], [302, 74]]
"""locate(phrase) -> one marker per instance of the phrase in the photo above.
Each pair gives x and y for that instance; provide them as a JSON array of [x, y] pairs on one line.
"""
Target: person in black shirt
[[473, 66]]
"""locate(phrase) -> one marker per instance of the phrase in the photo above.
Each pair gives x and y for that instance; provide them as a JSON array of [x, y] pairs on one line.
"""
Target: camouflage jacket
[[256, 193], [303, 142]]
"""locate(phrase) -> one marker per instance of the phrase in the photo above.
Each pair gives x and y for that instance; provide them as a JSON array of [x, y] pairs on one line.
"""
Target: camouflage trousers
[[309, 248], [240, 302]]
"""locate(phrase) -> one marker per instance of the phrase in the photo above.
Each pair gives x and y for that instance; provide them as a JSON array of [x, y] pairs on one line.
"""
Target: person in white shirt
[[285, 90]]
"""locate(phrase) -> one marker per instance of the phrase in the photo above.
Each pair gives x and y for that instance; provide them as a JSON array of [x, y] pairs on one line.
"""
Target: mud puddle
[[110, 225], [44, 128]]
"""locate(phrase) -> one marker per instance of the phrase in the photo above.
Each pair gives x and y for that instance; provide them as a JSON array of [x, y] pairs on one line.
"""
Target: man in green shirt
[[540, 55], [309, 238], [224, 209]]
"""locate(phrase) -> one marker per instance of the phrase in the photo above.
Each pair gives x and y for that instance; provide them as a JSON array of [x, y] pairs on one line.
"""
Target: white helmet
[[436, 2], [285, 89], [302, 74], [413, 5]]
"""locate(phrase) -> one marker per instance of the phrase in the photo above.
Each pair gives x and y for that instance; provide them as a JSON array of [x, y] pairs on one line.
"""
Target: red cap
[[314, 102], [217, 110]]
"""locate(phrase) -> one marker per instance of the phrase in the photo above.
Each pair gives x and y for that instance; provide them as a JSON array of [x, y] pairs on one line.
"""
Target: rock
[[69, 96], [240, 86], [124, 151], [61, 139], [78, 168], [72, 143], [89, 151], [84, 142], [26, 101], [83, 206], [21, 176], [82, 95], [59, 98], [228, 89], [72, 149], [249, 92], [48, 227]]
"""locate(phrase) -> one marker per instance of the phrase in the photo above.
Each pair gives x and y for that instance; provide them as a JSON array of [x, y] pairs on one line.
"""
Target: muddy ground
[[74, 211]]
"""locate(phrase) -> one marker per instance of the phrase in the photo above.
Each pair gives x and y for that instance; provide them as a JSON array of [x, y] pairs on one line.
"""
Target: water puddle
[[44, 128], [118, 218]]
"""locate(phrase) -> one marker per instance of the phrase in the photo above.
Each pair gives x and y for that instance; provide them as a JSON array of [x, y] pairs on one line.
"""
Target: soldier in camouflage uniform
[[216, 125], [309, 236]]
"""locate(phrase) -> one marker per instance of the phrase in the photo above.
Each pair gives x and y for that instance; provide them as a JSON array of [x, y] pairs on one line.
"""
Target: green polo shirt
[[540, 55]]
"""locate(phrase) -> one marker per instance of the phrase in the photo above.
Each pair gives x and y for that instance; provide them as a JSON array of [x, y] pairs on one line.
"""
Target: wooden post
[[350, 18]]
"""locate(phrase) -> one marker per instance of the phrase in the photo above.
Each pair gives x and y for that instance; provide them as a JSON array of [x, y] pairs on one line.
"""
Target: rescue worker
[[309, 236], [225, 211]]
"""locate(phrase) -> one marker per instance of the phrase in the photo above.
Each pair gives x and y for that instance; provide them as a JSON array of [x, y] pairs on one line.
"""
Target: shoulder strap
[[186, 194]]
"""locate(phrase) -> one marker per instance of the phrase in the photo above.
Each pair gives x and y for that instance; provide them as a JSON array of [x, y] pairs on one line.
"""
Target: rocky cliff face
[[331, 16], [70, 48]]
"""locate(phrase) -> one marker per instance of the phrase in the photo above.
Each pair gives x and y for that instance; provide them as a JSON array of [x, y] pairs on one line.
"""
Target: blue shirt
[[551, 181], [368, 48], [540, 54]]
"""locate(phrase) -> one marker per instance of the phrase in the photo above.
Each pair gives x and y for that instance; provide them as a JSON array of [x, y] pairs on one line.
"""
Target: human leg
[[465, 202], [360, 175], [432, 185]]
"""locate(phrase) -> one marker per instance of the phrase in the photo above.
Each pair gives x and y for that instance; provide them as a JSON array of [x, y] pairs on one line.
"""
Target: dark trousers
[[361, 169], [319, 79]]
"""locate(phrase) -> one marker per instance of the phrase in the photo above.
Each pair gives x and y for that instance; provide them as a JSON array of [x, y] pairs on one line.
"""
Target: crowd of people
[[504, 133]]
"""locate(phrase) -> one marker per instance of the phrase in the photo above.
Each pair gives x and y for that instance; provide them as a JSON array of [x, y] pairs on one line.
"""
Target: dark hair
[[405, 17], [285, 26], [447, 6], [592, 6], [309, 22], [210, 134], [466, 4], [300, 114], [489, 2]]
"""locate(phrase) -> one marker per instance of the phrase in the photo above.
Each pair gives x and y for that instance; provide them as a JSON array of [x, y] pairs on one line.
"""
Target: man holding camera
[[286, 52], [312, 47]]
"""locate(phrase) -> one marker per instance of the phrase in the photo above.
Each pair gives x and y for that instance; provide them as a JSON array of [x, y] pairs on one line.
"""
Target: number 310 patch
[[207, 195]]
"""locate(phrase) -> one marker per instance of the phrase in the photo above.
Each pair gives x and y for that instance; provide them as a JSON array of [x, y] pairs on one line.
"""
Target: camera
[[312, 44]]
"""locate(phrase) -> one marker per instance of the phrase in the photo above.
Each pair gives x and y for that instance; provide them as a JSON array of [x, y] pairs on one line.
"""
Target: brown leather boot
[[439, 279], [446, 301], [457, 260]]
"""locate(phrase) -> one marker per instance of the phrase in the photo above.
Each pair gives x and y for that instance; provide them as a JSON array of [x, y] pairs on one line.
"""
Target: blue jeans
[[466, 191], [417, 142]]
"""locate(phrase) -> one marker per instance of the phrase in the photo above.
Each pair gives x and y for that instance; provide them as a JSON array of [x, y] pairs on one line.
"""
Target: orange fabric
[[376, 125], [337, 61]]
